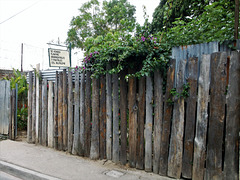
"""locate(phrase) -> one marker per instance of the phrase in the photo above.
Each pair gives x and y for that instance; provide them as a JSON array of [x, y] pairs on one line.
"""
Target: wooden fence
[[134, 122]]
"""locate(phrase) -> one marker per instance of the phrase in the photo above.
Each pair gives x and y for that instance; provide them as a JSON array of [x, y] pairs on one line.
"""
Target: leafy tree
[[116, 15]]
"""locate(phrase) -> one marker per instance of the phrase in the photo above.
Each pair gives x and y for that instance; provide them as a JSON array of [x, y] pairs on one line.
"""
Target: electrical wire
[[19, 12]]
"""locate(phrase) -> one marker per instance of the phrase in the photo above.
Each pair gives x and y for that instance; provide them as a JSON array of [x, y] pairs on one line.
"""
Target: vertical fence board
[[40, 113], [82, 113], [176, 141], [163, 166], [158, 111], [50, 114], [123, 114], [141, 118], [217, 115], [102, 117], [56, 112], [94, 151], [132, 121], [60, 112], [231, 163], [44, 112], [190, 118], [65, 111], [34, 109], [70, 112], [37, 102], [75, 149], [29, 124], [109, 115], [149, 124], [88, 114], [115, 155], [202, 119]]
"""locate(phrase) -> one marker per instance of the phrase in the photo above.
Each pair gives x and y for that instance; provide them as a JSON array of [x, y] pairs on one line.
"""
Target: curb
[[24, 173]]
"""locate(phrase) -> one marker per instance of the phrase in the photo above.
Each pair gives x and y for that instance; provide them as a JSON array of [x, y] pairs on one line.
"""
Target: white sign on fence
[[58, 58]]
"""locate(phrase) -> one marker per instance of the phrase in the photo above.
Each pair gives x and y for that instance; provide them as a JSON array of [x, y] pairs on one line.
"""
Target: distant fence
[[134, 122]]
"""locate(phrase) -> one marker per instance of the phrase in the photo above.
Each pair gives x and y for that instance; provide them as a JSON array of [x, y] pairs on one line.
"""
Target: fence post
[[88, 114], [65, 111], [60, 111], [50, 115], [75, 149], [163, 166], [56, 112], [44, 112], [149, 124], [94, 151], [217, 115], [231, 163], [190, 118], [115, 155], [29, 124], [82, 114], [37, 102], [202, 119], [70, 112], [34, 109], [176, 141]]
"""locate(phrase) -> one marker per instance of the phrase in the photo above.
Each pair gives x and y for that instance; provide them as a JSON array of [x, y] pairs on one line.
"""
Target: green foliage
[[176, 95], [22, 114]]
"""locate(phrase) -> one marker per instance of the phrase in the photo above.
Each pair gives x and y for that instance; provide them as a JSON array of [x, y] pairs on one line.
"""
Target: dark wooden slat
[[29, 127], [75, 149], [109, 114], [65, 111], [176, 141], [202, 119], [34, 110], [87, 114], [60, 112], [40, 113], [94, 151], [217, 113], [44, 112], [82, 114], [70, 112], [141, 118], [123, 113], [163, 167], [37, 102], [149, 124], [115, 155], [190, 118], [231, 163], [133, 109], [103, 117], [158, 115], [56, 111]]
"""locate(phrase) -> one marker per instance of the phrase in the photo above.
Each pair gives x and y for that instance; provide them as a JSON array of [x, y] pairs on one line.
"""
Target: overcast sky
[[40, 22]]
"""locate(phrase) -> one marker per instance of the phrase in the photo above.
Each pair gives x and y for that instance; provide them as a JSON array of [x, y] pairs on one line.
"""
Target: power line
[[19, 12]]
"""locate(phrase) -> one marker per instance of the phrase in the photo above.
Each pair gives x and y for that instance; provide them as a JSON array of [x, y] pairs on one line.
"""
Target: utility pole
[[22, 57]]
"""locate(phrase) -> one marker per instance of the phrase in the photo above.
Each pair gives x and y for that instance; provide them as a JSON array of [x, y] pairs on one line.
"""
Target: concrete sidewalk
[[28, 161]]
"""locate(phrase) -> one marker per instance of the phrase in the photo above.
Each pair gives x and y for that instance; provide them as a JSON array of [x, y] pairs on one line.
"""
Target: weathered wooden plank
[[34, 109], [141, 118], [82, 114], [94, 150], [176, 141], [40, 113], [167, 120], [65, 111], [115, 155], [75, 149], [13, 112], [123, 113], [158, 116], [50, 115], [60, 111], [202, 119], [133, 109], [217, 115], [109, 114], [190, 118], [102, 117], [70, 112], [11, 116], [56, 111], [29, 127], [44, 112], [87, 114], [149, 124], [37, 101], [231, 163]]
